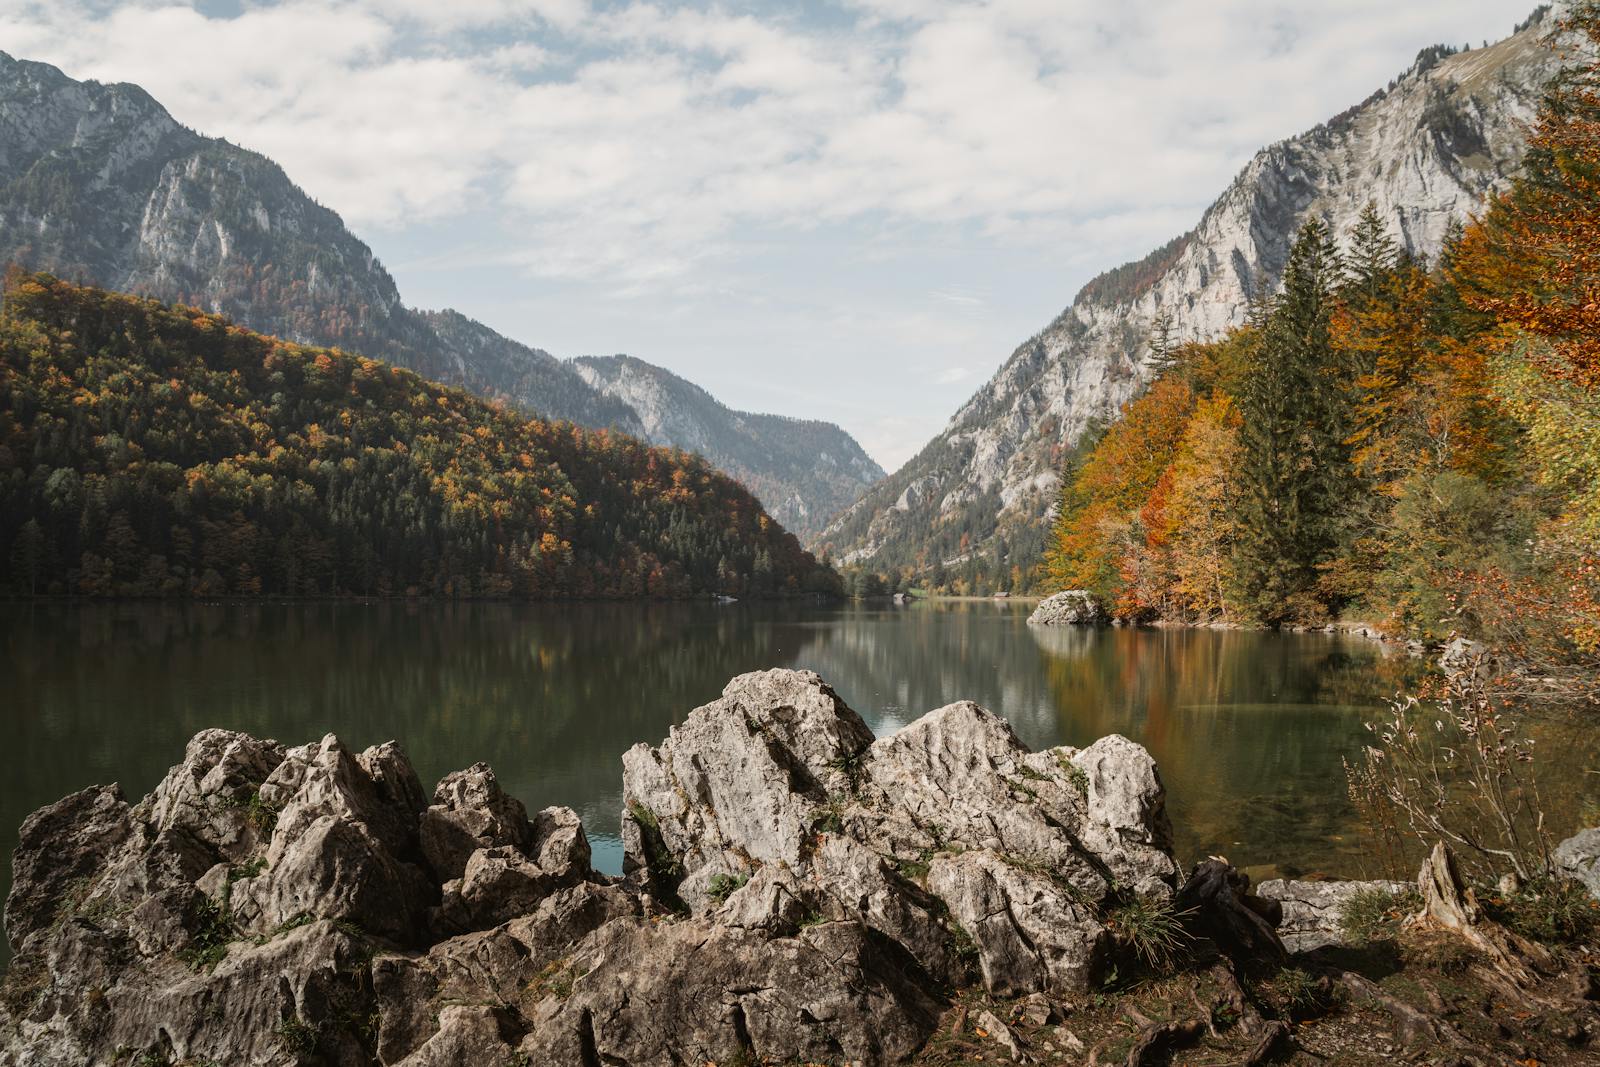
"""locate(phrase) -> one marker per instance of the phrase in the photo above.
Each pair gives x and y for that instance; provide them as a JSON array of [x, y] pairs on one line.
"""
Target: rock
[[58, 848], [948, 834], [1075, 607], [1001, 1034], [1577, 857], [796, 891], [698, 992], [214, 794], [470, 812], [1029, 935], [1463, 657], [1313, 912]]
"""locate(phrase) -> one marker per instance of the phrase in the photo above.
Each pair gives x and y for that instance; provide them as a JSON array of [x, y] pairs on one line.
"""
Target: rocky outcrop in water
[[1075, 607], [795, 889]]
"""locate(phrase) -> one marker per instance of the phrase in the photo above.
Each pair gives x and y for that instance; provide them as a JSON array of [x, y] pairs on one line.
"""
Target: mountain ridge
[[101, 184], [1426, 149]]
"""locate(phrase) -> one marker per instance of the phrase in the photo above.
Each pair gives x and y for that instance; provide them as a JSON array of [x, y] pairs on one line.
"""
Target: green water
[[1249, 729]]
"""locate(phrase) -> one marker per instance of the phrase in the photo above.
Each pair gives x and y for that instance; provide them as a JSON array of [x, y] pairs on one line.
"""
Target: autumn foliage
[[1417, 444], [158, 451]]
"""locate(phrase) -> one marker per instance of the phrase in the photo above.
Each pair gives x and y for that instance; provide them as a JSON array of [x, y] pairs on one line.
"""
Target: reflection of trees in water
[[550, 695], [1248, 728]]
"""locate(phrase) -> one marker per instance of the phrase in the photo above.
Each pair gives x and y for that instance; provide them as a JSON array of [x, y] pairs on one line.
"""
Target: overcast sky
[[851, 210]]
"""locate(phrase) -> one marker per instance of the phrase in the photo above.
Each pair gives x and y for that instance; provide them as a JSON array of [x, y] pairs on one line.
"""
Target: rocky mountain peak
[[1426, 150]]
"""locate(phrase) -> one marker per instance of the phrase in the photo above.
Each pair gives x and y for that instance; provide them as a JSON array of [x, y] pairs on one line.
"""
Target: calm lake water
[[1249, 729]]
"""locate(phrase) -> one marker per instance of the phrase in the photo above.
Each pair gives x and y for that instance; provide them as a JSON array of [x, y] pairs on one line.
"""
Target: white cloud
[[636, 147], [951, 375]]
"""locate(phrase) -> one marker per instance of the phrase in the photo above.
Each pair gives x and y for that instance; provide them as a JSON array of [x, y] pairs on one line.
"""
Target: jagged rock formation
[[795, 891], [1426, 150], [805, 472], [99, 184]]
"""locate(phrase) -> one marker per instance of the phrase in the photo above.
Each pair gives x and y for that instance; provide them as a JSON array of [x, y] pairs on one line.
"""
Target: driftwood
[[1450, 904], [1217, 905]]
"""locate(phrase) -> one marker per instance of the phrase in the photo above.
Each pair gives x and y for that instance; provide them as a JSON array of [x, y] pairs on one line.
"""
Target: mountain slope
[[100, 184], [148, 450], [806, 472], [1427, 150]]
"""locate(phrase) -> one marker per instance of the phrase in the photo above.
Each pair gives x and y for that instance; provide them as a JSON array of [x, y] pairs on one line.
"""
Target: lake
[[1249, 729]]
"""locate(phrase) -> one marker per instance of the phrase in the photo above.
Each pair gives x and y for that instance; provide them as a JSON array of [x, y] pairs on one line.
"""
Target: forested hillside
[[804, 471], [154, 450], [100, 185], [1413, 442]]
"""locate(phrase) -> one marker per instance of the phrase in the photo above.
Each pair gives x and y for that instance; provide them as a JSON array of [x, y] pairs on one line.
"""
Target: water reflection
[[1249, 729]]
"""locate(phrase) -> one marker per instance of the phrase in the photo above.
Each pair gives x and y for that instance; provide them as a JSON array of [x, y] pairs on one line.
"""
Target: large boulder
[[925, 836], [1074, 607]]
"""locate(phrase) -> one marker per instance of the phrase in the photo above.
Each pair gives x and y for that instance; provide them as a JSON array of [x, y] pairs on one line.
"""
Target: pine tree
[[1163, 343], [1295, 414], [1374, 255]]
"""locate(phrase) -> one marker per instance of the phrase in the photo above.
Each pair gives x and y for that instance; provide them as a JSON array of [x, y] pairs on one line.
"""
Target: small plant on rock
[[1375, 914], [723, 886], [1151, 929]]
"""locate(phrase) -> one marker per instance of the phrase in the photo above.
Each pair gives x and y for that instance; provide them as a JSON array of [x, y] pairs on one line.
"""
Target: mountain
[[98, 183], [148, 450], [1427, 150], [805, 472]]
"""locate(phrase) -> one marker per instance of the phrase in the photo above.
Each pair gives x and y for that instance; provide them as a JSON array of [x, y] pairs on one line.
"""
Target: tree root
[[1414, 1025], [1273, 1035], [1156, 1039], [1448, 903]]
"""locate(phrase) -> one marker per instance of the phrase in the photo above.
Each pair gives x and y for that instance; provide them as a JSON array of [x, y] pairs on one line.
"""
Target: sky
[[852, 211]]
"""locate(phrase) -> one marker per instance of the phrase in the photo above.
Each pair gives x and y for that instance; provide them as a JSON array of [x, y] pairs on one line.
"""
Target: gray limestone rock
[[1579, 857], [1313, 912], [1074, 607]]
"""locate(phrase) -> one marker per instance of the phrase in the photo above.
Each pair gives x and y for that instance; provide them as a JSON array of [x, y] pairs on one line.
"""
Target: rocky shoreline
[[794, 890]]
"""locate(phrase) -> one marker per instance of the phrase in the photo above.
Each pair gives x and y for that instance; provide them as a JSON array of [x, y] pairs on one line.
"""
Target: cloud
[[612, 137], [951, 375], [659, 156]]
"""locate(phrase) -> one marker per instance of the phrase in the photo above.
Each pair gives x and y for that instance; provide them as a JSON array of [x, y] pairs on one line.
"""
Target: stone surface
[[796, 891], [1313, 911], [1578, 857], [946, 834], [1074, 607]]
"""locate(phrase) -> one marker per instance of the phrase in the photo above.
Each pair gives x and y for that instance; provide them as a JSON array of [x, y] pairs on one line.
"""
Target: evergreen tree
[[1373, 257], [1295, 465]]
